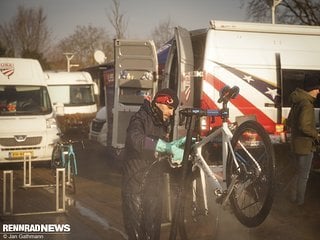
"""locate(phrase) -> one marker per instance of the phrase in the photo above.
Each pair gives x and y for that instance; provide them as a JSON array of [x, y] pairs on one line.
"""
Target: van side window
[[291, 79]]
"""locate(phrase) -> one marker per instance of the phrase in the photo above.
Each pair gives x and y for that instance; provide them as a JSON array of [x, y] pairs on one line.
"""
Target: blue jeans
[[302, 167]]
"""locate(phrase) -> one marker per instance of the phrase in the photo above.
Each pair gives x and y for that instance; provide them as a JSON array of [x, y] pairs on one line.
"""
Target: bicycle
[[63, 156], [247, 173]]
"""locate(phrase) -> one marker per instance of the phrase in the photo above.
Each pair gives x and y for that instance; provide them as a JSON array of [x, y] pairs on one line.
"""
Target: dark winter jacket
[[145, 128], [301, 120]]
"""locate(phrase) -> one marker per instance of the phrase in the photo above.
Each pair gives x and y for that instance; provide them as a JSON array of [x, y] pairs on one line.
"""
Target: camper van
[[266, 61], [27, 125], [73, 97]]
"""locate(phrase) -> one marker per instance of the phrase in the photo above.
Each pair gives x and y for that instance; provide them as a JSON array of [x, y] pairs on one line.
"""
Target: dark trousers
[[142, 212]]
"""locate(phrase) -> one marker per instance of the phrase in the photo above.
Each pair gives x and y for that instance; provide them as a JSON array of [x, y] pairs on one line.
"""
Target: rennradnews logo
[[36, 228]]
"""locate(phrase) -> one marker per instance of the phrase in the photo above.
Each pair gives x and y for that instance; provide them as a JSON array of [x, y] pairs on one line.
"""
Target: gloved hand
[[179, 142], [177, 156], [166, 147], [163, 147]]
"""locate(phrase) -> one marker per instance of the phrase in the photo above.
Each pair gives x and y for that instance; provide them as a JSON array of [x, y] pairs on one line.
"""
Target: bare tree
[[117, 20], [7, 40], [162, 33], [26, 35], [82, 43], [288, 11], [2, 50]]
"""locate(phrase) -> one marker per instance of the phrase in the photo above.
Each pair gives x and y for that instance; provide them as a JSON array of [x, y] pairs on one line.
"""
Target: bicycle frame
[[68, 152], [200, 162], [240, 168]]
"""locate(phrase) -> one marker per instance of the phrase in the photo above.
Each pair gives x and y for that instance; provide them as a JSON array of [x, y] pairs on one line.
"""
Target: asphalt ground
[[94, 212]]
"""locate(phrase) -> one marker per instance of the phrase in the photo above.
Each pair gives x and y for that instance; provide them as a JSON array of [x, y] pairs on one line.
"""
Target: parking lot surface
[[94, 212]]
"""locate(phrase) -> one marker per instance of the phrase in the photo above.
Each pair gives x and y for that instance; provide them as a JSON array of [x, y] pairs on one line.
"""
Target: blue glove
[[177, 155], [179, 142], [163, 147], [166, 147]]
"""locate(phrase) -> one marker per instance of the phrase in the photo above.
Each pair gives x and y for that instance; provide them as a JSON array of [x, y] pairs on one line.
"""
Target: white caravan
[[27, 125], [73, 98]]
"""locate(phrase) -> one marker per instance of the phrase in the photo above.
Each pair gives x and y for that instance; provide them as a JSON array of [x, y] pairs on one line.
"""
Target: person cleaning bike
[[147, 136]]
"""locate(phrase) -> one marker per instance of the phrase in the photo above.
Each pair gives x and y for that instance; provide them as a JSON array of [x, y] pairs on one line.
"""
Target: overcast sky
[[142, 15]]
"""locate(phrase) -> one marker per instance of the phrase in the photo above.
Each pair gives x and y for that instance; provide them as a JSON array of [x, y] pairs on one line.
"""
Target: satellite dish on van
[[99, 56]]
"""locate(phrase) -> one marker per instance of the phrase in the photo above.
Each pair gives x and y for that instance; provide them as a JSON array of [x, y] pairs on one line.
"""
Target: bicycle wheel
[[252, 195], [71, 185], [199, 223], [56, 157]]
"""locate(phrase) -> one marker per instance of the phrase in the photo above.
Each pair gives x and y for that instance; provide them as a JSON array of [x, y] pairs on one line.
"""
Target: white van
[[27, 124], [73, 98], [266, 61]]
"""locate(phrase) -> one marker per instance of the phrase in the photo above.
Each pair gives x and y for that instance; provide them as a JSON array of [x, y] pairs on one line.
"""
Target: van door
[[185, 66], [179, 71], [136, 69]]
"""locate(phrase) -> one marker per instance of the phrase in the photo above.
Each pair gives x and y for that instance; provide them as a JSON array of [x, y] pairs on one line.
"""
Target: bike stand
[[27, 173], [5, 205], [60, 195]]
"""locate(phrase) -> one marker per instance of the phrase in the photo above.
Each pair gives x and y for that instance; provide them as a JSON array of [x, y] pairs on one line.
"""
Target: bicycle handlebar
[[226, 93], [66, 141], [188, 112]]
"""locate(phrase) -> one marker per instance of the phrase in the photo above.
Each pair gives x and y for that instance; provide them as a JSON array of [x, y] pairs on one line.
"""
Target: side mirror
[[58, 109], [95, 88]]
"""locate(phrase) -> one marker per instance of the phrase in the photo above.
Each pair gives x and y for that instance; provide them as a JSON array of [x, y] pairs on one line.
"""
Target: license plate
[[20, 154]]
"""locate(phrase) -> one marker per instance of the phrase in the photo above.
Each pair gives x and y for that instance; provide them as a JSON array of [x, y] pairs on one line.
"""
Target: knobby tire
[[252, 196]]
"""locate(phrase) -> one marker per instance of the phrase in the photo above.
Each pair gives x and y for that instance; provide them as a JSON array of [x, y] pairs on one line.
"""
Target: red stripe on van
[[241, 103]]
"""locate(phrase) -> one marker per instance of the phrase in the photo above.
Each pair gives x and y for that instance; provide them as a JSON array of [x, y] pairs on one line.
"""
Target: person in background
[[77, 96], [148, 135], [301, 121]]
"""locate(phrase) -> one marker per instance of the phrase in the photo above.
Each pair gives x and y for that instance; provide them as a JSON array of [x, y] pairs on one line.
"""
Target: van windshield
[[72, 95], [24, 100]]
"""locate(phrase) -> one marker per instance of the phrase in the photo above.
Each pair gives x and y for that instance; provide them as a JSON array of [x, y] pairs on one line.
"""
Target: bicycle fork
[[66, 154], [67, 167]]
